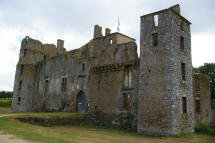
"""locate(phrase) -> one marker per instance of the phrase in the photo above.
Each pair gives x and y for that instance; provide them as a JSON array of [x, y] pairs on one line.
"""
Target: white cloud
[[73, 21], [203, 49]]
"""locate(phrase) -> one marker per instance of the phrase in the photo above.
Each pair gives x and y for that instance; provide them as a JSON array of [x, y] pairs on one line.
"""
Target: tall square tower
[[165, 101]]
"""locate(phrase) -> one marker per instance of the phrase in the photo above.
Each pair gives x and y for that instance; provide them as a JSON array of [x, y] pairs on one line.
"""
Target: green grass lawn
[[87, 134], [5, 103]]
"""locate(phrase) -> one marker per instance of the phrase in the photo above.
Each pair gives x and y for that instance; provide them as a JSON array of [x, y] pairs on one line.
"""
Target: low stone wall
[[122, 120]]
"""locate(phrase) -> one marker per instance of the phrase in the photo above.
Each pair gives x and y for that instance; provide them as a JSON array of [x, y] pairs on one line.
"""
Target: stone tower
[[23, 92], [165, 104]]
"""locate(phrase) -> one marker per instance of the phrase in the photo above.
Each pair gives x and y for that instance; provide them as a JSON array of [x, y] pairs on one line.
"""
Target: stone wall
[[202, 98], [50, 65], [106, 75], [161, 87]]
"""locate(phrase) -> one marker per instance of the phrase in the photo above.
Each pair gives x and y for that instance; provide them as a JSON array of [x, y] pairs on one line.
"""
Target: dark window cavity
[[19, 100], [63, 86], [183, 71], [20, 85], [25, 52], [182, 43], [46, 86], [197, 106], [184, 104], [155, 39], [37, 88], [21, 70], [83, 67], [196, 84]]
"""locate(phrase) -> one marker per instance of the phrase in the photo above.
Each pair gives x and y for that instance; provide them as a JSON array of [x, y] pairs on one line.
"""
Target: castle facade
[[107, 75]]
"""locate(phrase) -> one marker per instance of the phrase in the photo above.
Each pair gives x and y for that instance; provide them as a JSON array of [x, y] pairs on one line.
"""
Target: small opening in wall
[[83, 67], [127, 101], [155, 39], [20, 86], [183, 71], [182, 43], [25, 51], [37, 88], [110, 41], [21, 70], [155, 20], [63, 86], [184, 104], [197, 106], [46, 86], [96, 107], [18, 100]]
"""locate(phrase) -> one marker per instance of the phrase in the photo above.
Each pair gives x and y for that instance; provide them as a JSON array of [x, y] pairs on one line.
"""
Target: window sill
[[127, 88]]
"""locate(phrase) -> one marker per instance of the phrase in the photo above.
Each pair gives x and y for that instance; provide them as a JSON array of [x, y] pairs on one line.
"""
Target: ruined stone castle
[[107, 75]]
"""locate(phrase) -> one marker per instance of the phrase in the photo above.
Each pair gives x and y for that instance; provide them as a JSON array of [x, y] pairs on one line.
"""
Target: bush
[[205, 128]]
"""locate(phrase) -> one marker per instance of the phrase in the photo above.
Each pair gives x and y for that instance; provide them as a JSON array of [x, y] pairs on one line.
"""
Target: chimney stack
[[97, 31], [107, 31]]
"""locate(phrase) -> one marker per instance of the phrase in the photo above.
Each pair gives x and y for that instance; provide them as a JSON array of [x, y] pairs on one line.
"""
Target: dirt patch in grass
[[7, 138], [4, 110]]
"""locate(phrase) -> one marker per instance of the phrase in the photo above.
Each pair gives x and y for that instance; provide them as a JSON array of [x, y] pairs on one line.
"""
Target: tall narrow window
[[197, 106], [127, 102], [19, 100], [183, 71], [46, 86], [184, 104], [25, 52], [155, 39], [37, 88], [83, 67], [196, 85], [128, 77], [20, 86], [182, 43], [155, 20], [21, 69], [63, 86]]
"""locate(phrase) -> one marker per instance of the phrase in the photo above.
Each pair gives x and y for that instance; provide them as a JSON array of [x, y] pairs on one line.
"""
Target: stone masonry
[[107, 75]]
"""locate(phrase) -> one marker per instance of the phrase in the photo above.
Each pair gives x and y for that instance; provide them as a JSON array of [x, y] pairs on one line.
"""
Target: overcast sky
[[73, 21]]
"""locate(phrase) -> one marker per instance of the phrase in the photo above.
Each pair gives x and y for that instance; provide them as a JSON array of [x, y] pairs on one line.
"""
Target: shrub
[[205, 128]]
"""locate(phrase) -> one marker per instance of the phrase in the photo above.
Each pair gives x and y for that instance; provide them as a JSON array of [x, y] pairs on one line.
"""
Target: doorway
[[81, 102]]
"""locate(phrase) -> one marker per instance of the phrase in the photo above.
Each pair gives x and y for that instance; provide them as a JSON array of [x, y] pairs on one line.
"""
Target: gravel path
[[7, 138]]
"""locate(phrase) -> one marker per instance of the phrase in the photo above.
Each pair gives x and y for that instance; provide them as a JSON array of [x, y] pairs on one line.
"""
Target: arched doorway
[[81, 102]]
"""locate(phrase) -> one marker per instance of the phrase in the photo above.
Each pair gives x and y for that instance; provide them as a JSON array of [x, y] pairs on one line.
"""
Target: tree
[[209, 69]]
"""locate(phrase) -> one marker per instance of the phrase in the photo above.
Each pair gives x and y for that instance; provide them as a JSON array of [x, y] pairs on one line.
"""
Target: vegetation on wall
[[209, 69]]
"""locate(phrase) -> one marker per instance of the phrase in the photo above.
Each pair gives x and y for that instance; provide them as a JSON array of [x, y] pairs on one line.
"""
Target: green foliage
[[208, 69], [206, 129], [5, 102], [6, 94]]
